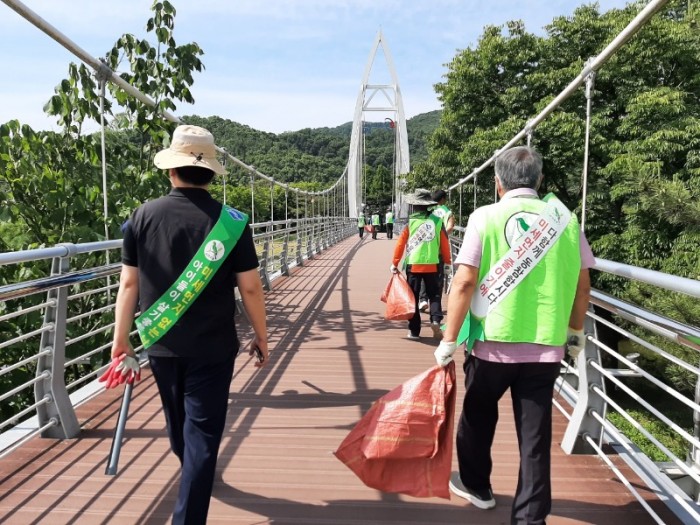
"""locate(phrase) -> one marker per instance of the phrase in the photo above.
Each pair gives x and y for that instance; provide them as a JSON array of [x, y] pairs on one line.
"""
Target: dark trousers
[[195, 400], [375, 229], [389, 230], [434, 295], [531, 388], [361, 230], [441, 283]]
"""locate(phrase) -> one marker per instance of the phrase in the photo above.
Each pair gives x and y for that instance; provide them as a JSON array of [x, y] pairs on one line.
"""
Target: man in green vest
[[183, 254], [389, 223], [422, 242], [376, 223], [361, 224], [520, 293], [448, 222]]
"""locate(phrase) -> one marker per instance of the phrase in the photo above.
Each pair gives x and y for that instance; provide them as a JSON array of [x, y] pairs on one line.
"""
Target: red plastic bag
[[404, 442], [399, 299], [369, 228]]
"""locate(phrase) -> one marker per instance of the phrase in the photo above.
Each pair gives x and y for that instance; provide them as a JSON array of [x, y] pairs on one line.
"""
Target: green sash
[[155, 322]]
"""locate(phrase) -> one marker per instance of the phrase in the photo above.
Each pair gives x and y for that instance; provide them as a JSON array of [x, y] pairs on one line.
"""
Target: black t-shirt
[[160, 238]]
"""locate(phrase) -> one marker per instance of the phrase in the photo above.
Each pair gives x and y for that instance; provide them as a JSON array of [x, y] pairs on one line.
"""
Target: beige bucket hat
[[190, 146], [420, 197]]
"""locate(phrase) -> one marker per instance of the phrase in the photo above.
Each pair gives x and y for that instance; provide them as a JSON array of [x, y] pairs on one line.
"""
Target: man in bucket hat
[[182, 256], [424, 241]]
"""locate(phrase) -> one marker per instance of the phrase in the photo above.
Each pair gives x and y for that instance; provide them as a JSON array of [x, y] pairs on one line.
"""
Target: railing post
[[695, 452], [284, 265], [264, 274], [299, 230], [309, 241], [318, 237], [588, 401], [52, 365]]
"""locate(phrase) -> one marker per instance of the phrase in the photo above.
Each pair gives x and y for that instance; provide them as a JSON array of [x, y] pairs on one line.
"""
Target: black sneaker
[[479, 498]]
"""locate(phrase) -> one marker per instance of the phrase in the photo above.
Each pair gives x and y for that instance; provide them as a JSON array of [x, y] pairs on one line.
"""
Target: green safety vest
[[361, 221], [162, 315], [423, 246], [537, 309], [390, 217], [375, 219]]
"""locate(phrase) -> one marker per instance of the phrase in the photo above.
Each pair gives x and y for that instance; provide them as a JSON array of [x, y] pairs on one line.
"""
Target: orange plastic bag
[[404, 442], [369, 228], [399, 299]]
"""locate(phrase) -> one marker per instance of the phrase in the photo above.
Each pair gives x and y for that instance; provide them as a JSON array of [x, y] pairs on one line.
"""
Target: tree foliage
[[643, 189]]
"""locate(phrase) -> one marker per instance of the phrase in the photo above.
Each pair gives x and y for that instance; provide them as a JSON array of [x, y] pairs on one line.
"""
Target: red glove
[[123, 369]]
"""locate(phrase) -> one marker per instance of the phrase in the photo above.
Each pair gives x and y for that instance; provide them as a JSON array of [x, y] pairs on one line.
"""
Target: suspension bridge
[[332, 356]]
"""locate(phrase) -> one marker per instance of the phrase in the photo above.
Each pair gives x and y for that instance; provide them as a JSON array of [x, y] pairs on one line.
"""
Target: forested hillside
[[315, 155]]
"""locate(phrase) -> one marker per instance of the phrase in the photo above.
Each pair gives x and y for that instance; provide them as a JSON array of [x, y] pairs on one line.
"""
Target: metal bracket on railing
[[588, 401], [300, 258], [51, 367], [284, 265], [264, 274]]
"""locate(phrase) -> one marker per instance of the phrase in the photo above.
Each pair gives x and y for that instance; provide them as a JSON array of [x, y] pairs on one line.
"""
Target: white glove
[[443, 353], [122, 369], [129, 369], [575, 341], [393, 269]]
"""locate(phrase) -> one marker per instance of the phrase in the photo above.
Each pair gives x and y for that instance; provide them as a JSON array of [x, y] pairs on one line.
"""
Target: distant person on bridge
[[389, 223], [361, 224], [423, 242], [448, 222], [183, 254], [520, 293], [376, 223]]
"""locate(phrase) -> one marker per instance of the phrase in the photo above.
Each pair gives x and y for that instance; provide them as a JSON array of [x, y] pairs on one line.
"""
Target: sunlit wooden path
[[332, 356]]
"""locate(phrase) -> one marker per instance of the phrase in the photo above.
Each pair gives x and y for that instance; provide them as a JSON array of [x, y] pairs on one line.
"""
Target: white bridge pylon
[[389, 101]]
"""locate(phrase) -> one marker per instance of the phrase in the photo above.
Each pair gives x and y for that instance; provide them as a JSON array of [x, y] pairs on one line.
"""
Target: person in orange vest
[[423, 242]]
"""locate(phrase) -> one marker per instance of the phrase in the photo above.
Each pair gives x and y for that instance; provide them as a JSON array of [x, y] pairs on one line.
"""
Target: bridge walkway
[[332, 356]]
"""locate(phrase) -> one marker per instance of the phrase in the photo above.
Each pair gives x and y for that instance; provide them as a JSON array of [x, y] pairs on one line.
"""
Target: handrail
[[13, 291], [60, 250], [669, 282], [658, 324]]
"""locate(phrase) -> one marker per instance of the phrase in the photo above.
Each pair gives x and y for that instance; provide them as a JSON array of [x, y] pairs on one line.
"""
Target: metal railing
[[55, 330]]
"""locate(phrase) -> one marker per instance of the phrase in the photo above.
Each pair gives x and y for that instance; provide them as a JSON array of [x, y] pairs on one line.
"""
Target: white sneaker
[[437, 333], [423, 306], [412, 337]]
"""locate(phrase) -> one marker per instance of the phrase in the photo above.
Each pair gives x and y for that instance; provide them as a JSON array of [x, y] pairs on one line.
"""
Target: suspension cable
[[590, 81]]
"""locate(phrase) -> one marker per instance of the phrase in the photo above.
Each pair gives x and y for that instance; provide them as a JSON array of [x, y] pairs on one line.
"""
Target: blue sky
[[275, 65]]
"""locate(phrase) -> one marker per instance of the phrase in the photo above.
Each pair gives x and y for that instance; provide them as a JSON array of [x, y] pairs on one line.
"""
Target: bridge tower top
[[384, 98]]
